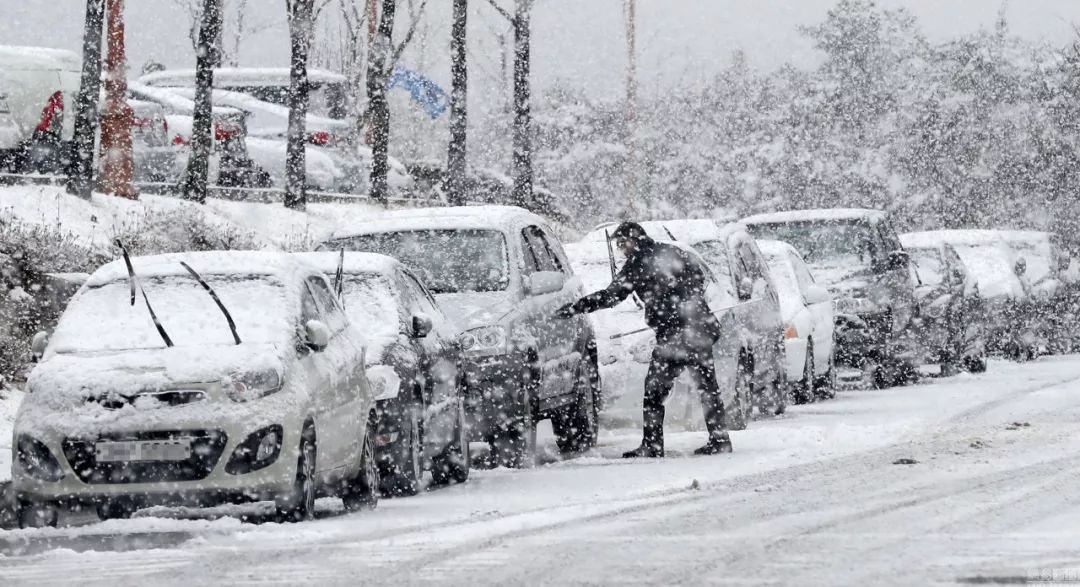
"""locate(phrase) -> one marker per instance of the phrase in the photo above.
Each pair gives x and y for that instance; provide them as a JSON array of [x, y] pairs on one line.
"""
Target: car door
[[757, 322], [821, 314], [340, 390], [555, 338]]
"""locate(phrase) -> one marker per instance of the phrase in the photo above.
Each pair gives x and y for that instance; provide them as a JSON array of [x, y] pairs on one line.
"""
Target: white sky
[[578, 42]]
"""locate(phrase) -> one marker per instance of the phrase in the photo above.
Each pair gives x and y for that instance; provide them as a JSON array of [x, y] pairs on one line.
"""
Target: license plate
[[178, 449]]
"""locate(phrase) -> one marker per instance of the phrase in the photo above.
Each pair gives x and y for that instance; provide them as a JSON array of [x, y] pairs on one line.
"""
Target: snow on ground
[[97, 221], [813, 497]]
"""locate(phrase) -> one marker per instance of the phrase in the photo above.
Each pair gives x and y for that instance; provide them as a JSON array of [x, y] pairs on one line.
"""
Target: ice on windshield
[[992, 266], [447, 260], [928, 264], [369, 303], [102, 319], [823, 243]]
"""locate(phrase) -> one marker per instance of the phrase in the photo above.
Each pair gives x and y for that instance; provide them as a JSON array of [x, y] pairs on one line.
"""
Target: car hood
[[68, 379], [476, 309]]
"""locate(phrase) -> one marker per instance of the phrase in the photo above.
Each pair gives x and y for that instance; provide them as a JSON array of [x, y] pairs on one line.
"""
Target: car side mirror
[[38, 344], [745, 289], [316, 335], [544, 282], [816, 294], [421, 326]]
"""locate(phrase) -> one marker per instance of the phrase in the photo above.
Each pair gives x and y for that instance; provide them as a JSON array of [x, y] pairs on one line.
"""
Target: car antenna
[[133, 279], [339, 275], [217, 300]]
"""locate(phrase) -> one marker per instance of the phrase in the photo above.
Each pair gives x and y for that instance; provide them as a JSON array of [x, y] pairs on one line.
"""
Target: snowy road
[[815, 497]]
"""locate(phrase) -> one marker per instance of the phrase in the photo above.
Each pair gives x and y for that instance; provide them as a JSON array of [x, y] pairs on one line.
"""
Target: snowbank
[[9, 404]]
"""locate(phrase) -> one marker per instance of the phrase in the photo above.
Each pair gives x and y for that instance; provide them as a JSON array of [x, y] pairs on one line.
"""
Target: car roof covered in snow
[[281, 265], [501, 218], [247, 76], [934, 238], [34, 58], [821, 214], [327, 262]]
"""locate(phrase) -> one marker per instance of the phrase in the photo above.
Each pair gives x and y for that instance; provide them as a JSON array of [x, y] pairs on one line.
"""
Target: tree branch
[[501, 10], [396, 55]]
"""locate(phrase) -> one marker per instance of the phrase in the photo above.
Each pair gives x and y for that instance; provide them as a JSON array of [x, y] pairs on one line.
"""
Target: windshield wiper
[[339, 275], [133, 280], [217, 300]]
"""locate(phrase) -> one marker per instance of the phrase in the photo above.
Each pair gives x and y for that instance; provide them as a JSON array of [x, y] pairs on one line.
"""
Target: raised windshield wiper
[[217, 300], [339, 275], [133, 280]]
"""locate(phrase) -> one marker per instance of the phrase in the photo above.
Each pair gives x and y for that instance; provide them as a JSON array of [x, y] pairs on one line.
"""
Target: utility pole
[[81, 171], [198, 169], [456, 157], [631, 107], [118, 168]]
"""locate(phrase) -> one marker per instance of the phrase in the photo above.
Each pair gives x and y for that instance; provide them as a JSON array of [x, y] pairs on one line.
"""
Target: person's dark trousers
[[668, 362]]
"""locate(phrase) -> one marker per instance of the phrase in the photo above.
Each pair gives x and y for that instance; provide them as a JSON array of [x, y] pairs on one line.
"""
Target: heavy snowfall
[[539, 292]]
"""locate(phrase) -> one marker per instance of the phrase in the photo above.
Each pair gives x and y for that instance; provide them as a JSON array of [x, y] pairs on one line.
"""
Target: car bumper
[[492, 383], [199, 479]]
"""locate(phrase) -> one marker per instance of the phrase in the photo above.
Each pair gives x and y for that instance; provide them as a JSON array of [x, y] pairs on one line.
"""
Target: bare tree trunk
[[377, 104], [456, 159], [523, 171], [301, 23], [241, 16], [198, 169], [81, 172], [117, 159]]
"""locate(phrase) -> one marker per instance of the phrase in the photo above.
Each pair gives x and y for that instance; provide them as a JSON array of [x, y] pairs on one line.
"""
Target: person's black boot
[[645, 451], [717, 444]]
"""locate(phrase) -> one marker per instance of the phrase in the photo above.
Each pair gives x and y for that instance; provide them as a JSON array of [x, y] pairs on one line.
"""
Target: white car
[[249, 384], [807, 310], [35, 129]]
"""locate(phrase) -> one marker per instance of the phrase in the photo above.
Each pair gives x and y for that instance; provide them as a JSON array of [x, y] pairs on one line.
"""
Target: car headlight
[[484, 339], [249, 386], [855, 305], [384, 381]]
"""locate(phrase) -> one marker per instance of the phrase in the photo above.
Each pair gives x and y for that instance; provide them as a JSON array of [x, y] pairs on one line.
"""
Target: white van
[[37, 86]]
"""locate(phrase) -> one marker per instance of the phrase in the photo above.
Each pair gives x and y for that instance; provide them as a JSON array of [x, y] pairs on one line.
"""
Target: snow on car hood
[[475, 309]]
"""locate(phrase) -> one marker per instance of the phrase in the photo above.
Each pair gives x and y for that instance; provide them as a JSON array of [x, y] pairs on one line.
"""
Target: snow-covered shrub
[[184, 228]]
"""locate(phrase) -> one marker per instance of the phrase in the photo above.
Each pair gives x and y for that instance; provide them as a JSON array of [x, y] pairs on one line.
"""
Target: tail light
[[321, 138], [225, 132], [790, 331], [179, 141]]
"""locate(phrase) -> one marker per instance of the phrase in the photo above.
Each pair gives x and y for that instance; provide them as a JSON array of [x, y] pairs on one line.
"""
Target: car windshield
[[369, 303], [928, 264], [715, 255], [102, 318], [823, 242], [446, 260], [988, 263]]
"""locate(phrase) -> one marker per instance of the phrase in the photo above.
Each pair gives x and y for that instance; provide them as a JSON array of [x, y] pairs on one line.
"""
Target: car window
[[953, 262], [554, 248], [538, 255], [802, 273], [327, 304]]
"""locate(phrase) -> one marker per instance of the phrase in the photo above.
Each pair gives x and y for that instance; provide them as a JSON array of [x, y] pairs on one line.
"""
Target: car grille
[[167, 398], [206, 449]]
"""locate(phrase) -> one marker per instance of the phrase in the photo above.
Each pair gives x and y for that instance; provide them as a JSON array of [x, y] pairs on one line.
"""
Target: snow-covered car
[[950, 307], [500, 273], [328, 92], [857, 254], [249, 384], [413, 364], [734, 259], [39, 87], [807, 310], [230, 163], [1053, 285], [624, 344], [1011, 323]]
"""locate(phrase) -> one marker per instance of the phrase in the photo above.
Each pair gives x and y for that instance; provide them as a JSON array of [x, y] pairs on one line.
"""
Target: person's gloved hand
[[566, 311]]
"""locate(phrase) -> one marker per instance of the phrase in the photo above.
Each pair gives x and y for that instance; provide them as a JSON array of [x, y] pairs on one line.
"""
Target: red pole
[[117, 166]]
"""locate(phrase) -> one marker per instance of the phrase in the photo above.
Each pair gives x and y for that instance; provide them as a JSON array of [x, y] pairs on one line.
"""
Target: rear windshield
[[369, 303], [824, 242], [447, 260]]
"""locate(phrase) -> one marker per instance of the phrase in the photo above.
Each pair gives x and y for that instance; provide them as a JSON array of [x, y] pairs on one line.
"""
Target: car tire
[[975, 364], [116, 509], [36, 514], [299, 506], [803, 389], [514, 441], [825, 386], [737, 415], [575, 425], [402, 473], [454, 463], [362, 492]]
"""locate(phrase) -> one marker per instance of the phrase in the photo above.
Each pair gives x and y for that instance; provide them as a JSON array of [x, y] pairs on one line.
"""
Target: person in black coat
[[671, 286]]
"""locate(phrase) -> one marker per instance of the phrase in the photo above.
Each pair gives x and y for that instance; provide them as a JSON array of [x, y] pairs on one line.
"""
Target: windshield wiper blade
[[339, 275], [217, 300], [134, 281]]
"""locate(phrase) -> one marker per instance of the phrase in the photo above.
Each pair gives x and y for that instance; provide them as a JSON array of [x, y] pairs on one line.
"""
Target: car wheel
[[116, 509], [300, 505], [575, 425], [825, 387], [737, 414], [403, 472], [37, 514], [975, 364], [362, 492], [803, 389], [514, 442], [454, 463]]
